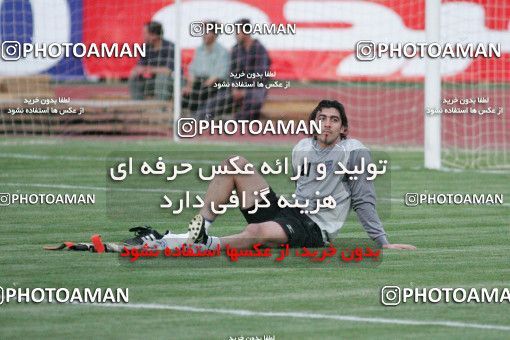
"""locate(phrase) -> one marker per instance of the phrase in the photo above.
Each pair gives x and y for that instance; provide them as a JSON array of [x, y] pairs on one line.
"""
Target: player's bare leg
[[221, 187], [219, 192], [267, 233]]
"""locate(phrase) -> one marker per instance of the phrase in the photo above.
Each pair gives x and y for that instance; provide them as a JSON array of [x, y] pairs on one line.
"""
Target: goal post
[[177, 72], [432, 125]]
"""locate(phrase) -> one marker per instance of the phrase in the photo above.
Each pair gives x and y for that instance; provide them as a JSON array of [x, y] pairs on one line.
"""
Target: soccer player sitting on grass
[[273, 226]]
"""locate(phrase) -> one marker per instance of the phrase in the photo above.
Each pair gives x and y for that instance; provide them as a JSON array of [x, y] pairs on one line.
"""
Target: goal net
[[311, 55]]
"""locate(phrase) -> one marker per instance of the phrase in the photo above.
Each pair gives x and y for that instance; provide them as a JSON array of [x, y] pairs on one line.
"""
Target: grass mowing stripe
[[306, 315], [85, 187], [68, 186]]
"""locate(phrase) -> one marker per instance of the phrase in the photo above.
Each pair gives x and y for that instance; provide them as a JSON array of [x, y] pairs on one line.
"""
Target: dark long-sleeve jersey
[[358, 194]]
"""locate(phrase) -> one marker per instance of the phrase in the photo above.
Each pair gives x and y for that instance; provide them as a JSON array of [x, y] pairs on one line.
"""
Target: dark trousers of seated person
[[199, 95], [248, 108], [220, 104], [160, 87], [251, 104]]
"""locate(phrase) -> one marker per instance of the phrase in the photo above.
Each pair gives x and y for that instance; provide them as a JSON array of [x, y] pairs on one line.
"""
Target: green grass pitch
[[458, 246]]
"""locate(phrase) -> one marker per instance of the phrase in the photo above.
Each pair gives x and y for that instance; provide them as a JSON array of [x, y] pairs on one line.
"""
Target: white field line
[[29, 142], [87, 159], [92, 188], [305, 315]]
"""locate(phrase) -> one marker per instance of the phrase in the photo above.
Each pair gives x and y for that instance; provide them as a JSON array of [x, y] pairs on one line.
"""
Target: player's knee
[[258, 232], [240, 161], [255, 231]]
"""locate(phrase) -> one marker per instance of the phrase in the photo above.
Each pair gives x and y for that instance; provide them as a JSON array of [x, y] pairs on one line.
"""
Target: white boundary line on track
[[304, 315], [85, 159], [29, 142]]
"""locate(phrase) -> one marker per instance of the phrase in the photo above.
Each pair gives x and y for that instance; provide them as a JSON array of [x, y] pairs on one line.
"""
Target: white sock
[[185, 235], [212, 242], [207, 224]]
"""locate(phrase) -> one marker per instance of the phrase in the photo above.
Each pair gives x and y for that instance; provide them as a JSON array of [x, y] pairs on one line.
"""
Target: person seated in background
[[209, 66], [153, 75], [247, 57]]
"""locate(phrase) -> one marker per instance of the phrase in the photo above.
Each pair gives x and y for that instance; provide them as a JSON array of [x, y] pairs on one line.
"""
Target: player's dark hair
[[155, 27], [245, 24], [331, 104]]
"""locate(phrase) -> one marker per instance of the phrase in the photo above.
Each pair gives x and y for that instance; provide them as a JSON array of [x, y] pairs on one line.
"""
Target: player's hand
[[209, 82], [237, 94], [160, 70], [187, 90], [138, 70], [399, 246]]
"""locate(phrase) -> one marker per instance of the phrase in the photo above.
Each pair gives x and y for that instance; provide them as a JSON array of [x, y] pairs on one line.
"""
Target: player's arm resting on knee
[[363, 200]]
